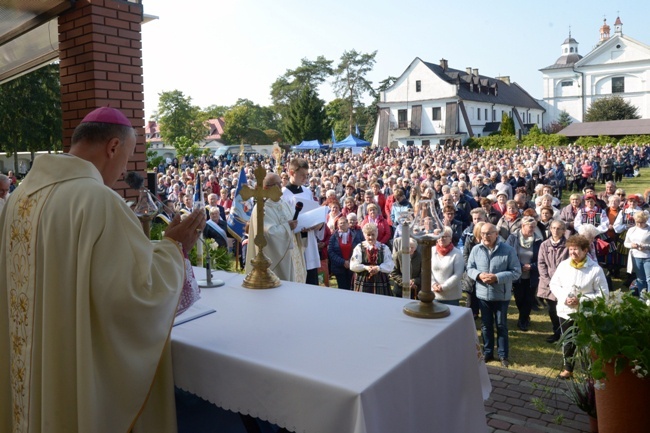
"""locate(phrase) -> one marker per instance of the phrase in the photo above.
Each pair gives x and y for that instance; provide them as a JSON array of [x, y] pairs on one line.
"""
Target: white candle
[[406, 261]]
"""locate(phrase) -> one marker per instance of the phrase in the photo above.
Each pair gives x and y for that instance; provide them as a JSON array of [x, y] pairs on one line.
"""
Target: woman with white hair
[[447, 266], [637, 240], [371, 262]]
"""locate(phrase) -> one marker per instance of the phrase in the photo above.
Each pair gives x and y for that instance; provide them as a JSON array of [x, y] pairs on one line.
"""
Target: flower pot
[[623, 404], [593, 424]]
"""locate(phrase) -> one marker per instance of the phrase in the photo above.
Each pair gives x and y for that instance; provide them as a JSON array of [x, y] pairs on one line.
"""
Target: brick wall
[[100, 47]]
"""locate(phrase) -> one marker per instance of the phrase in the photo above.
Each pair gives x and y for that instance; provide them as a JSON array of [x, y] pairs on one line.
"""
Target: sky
[[218, 51]]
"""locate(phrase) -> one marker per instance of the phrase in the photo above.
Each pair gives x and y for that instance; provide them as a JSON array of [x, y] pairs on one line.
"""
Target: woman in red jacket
[[383, 228]]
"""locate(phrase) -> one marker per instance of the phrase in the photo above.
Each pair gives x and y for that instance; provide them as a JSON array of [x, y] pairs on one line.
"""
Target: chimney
[[443, 64], [505, 79], [468, 70], [475, 71]]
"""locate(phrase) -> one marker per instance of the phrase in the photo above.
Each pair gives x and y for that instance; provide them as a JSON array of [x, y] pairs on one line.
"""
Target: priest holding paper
[[283, 247], [87, 300]]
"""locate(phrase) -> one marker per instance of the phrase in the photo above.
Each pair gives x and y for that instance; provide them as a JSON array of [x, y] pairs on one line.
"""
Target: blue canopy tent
[[309, 145], [351, 141]]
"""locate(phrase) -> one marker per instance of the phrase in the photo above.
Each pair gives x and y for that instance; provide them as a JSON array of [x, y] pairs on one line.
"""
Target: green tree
[[507, 125], [179, 118], [186, 147], [611, 108], [337, 114], [215, 111], [371, 112], [564, 119], [153, 159], [259, 117], [350, 81], [287, 87], [306, 119], [30, 113], [236, 125]]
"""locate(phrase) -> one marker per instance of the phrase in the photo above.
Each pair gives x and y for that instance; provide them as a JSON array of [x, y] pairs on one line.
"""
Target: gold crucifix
[[261, 277]]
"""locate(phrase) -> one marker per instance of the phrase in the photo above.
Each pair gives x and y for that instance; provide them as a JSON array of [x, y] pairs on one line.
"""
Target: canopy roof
[[612, 128], [351, 141], [310, 145]]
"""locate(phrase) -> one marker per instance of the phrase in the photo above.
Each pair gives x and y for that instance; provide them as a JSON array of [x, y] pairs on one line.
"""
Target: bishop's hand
[[188, 230]]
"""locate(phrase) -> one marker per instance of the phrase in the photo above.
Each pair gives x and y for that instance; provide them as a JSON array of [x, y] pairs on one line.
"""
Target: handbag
[[603, 247]]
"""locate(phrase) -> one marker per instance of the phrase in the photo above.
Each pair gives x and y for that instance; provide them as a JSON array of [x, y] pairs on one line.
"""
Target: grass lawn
[[529, 351]]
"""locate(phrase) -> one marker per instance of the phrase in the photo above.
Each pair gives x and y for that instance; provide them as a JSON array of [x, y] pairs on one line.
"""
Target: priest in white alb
[[283, 246]]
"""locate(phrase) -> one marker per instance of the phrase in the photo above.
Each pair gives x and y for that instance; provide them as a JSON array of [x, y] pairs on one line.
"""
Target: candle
[[406, 261]]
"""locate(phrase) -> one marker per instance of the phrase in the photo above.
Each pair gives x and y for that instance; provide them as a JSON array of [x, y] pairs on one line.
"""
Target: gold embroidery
[[20, 263]]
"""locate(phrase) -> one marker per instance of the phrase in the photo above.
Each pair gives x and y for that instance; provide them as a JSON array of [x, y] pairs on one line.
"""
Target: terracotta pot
[[622, 405]]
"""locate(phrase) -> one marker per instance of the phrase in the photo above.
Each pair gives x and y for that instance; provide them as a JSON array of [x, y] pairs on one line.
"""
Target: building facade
[[432, 104], [618, 65]]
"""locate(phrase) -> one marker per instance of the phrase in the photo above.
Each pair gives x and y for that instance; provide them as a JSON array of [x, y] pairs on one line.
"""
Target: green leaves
[[611, 108]]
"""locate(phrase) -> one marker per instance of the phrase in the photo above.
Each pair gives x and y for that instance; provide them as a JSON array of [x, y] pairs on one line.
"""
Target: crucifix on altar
[[261, 277]]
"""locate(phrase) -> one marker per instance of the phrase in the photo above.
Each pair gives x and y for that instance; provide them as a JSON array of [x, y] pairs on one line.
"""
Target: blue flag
[[240, 212], [356, 130], [333, 137]]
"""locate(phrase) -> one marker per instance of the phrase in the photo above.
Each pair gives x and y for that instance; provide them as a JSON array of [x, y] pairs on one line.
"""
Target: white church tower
[[618, 65]]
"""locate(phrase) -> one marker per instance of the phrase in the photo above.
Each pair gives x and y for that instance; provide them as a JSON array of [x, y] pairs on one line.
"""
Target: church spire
[[618, 26], [604, 31]]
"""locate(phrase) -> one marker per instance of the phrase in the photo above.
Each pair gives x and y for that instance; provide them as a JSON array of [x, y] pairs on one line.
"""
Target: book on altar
[[194, 312]]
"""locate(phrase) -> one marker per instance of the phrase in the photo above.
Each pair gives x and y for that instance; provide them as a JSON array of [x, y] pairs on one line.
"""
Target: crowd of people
[[505, 201]]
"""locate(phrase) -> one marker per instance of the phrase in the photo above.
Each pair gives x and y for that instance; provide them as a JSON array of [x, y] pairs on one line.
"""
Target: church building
[[617, 65]]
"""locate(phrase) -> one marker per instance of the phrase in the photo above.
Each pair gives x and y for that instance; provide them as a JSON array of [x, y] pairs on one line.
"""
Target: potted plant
[[615, 331]]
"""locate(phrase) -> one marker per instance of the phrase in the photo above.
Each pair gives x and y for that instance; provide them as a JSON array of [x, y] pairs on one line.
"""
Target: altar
[[321, 360]]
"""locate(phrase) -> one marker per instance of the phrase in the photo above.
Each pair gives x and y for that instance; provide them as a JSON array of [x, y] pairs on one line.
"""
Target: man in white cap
[[87, 300]]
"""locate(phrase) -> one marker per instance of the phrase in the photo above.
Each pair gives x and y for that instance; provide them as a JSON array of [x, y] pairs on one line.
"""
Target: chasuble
[[86, 307]]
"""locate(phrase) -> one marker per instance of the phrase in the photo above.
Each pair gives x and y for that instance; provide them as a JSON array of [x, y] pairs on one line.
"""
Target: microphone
[[134, 180], [299, 206]]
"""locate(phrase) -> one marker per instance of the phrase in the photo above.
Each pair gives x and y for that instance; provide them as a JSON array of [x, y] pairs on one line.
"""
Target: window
[[436, 113], [478, 114], [418, 85], [567, 83], [486, 114], [401, 119], [494, 115], [618, 85], [410, 142]]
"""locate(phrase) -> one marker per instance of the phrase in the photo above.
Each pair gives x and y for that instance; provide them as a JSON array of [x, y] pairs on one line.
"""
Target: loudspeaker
[[151, 182]]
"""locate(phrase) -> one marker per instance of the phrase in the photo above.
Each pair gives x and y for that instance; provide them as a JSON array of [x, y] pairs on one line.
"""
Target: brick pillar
[[100, 49]]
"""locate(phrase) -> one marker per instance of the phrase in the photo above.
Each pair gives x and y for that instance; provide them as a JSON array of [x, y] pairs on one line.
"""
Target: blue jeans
[[492, 311], [642, 269]]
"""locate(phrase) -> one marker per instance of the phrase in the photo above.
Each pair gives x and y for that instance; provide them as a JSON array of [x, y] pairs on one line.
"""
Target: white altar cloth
[[322, 360]]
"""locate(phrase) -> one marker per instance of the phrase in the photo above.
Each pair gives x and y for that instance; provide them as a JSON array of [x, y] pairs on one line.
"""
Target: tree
[[337, 115], [215, 111], [153, 159], [350, 81], [287, 87], [179, 118], [611, 108], [30, 113], [507, 125], [306, 118], [372, 111], [564, 119], [259, 117], [236, 125]]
